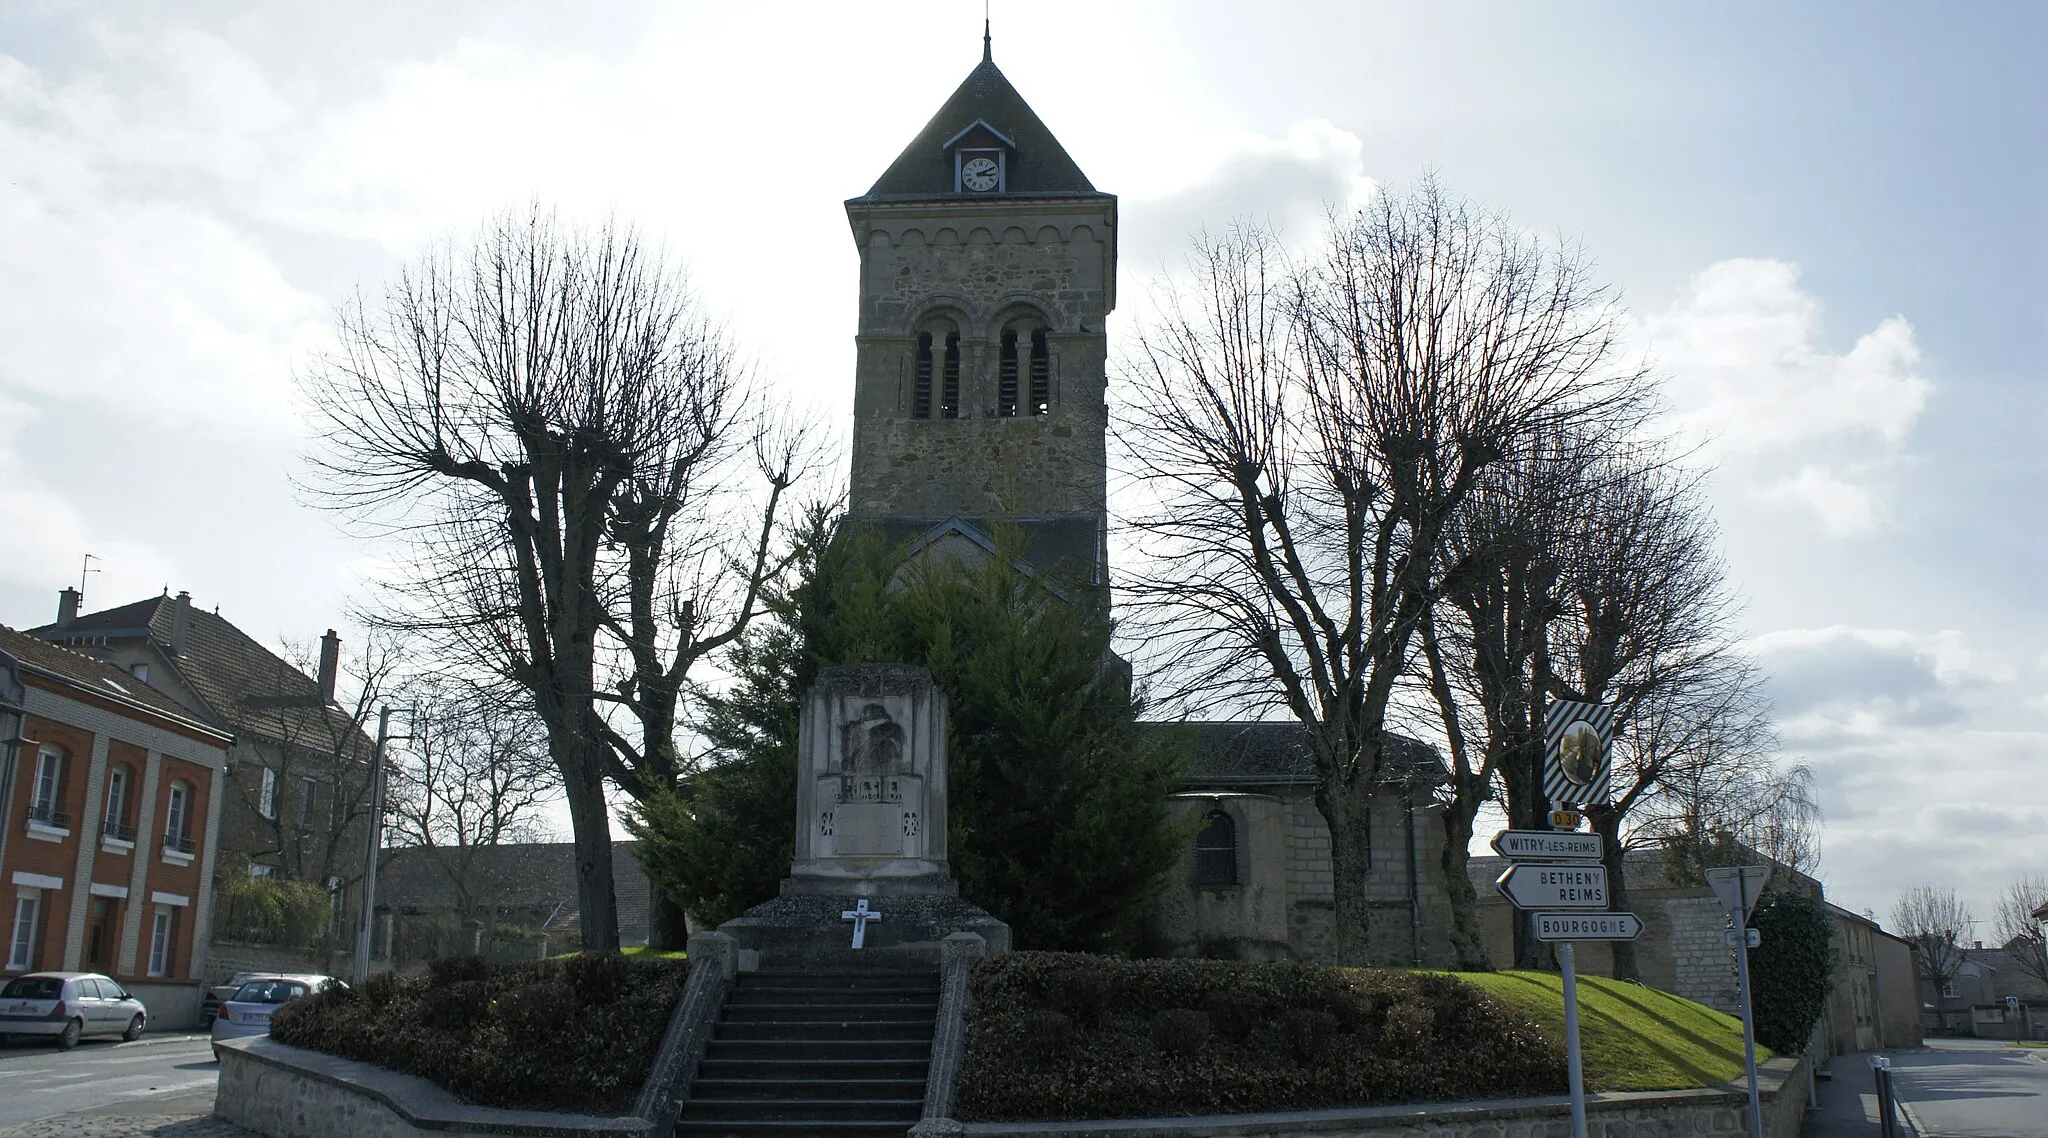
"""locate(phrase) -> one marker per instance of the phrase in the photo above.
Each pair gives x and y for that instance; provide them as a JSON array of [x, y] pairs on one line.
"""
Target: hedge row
[[578, 1033], [1066, 1036]]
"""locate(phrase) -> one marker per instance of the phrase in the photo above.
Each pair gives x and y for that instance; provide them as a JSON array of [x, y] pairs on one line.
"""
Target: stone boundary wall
[[714, 960], [1635, 1114], [290, 1092]]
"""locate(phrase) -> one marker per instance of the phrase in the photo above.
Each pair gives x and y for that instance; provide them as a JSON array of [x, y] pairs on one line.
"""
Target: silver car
[[248, 1010], [67, 1006]]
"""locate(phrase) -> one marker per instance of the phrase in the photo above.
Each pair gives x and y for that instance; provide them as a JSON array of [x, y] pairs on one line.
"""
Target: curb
[[150, 1037], [1912, 1118]]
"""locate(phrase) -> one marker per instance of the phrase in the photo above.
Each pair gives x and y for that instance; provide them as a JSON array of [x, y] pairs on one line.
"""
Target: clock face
[[979, 174]]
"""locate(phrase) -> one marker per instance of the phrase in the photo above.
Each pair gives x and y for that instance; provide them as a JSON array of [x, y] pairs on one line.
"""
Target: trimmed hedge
[[1068, 1036], [574, 1033]]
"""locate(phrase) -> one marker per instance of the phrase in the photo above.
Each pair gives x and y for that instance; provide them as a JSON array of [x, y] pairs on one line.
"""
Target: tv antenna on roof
[[86, 568]]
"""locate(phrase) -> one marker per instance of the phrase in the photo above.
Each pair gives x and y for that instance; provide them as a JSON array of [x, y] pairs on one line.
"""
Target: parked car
[[247, 1011], [209, 1004], [68, 1006]]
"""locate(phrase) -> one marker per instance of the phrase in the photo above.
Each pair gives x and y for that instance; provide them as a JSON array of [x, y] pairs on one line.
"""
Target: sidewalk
[[1845, 1106], [129, 1126]]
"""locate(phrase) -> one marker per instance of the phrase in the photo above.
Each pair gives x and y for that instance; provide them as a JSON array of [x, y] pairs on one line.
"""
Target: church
[[987, 275]]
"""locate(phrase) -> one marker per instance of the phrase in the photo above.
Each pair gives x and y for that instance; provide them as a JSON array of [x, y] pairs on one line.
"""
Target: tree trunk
[[1528, 809], [1346, 805], [668, 927], [590, 818], [1468, 943], [1607, 824]]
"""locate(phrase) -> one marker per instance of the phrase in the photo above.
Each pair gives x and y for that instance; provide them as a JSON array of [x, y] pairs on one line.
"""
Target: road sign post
[[1567, 966], [1738, 888]]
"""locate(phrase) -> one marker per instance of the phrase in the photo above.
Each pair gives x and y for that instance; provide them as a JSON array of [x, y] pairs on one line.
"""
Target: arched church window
[[949, 401], [1006, 381], [921, 398], [1216, 850], [1041, 374]]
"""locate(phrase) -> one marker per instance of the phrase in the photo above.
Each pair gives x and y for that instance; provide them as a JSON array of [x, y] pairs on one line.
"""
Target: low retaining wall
[[1718, 1111], [289, 1092]]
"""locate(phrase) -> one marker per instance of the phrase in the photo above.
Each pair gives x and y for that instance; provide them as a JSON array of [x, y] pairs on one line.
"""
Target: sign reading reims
[[1546, 845], [1538, 886]]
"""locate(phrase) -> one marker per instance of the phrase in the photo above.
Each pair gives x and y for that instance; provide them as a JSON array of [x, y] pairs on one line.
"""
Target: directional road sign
[[1587, 926], [1546, 845], [1532, 885], [1738, 886]]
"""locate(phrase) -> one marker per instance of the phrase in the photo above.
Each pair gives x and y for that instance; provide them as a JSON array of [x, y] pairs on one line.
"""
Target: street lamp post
[[376, 840]]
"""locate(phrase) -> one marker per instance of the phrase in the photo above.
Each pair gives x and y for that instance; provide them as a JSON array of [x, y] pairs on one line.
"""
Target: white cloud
[[1788, 421]]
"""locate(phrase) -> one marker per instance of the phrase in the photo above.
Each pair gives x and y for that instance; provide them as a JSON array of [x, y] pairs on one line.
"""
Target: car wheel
[[68, 1039], [134, 1031]]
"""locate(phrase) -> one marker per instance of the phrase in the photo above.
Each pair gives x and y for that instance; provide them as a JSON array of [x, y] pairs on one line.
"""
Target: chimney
[[330, 662], [180, 617], [67, 607]]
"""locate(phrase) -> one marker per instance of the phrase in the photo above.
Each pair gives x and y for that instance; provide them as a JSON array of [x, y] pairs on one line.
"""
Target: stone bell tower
[[988, 265]]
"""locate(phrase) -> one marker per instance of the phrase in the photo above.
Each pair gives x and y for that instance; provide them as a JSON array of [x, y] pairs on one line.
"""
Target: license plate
[[23, 1008], [252, 1019]]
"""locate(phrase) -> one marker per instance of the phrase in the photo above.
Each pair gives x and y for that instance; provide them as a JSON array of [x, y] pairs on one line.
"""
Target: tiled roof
[[1039, 165], [528, 875], [1238, 753], [94, 675], [1063, 549], [239, 680]]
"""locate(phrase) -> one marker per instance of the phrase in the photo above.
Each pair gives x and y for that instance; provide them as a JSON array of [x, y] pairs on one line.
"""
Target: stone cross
[[860, 915]]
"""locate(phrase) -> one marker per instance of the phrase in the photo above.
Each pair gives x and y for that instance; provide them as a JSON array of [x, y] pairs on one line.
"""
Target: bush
[[271, 909], [1175, 1037], [578, 1033], [1791, 971]]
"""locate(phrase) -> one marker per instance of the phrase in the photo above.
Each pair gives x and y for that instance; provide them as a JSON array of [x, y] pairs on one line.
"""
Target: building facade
[[112, 801]]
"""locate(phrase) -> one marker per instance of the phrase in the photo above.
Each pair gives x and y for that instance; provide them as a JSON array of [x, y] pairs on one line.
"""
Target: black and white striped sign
[[1576, 739]]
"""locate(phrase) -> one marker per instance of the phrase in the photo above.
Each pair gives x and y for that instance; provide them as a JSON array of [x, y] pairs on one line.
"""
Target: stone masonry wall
[[1703, 968], [1390, 938]]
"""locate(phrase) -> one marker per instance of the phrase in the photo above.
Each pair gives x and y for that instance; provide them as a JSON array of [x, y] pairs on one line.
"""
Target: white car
[[248, 1010], [67, 1006]]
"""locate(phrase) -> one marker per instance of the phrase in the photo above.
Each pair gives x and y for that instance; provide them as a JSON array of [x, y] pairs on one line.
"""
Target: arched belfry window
[[921, 397], [1041, 374], [1216, 850], [949, 396], [1006, 378]]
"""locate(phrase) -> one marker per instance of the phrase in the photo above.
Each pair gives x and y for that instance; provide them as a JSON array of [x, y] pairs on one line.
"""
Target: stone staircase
[[834, 1053]]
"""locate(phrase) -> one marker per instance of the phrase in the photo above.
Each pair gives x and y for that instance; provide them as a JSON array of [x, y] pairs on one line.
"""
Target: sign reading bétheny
[[1546, 845], [1538, 886], [1588, 926]]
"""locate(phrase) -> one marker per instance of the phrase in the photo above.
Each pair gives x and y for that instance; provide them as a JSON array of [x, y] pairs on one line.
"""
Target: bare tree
[[1310, 434], [2013, 923], [1721, 797], [550, 418], [1934, 919], [473, 775]]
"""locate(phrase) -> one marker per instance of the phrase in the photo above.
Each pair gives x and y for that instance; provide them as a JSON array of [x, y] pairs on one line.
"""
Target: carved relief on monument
[[872, 793]]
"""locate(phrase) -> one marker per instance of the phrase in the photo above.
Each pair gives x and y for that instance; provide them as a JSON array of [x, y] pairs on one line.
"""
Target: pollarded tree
[[2015, 926], [1935, 920], [549, 418], [1309, 432]]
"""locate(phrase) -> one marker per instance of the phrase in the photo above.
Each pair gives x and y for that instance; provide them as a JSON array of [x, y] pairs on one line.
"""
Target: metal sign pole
[[1756, 1114], [1571, 1037]]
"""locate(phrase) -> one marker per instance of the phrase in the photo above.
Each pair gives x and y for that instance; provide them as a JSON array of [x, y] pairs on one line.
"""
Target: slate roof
[[1270, 753], [527, 875], [1065, 549], [94, 675], [235, 676], [1039, 165]]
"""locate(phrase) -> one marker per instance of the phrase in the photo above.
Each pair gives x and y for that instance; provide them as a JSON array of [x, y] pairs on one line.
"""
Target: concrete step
[[824, 1012], [804, 1128], [748, 997], [901, 1110], [753, 1086], [824, 1048], [838, 981], [879, 1030], [801, 1069]]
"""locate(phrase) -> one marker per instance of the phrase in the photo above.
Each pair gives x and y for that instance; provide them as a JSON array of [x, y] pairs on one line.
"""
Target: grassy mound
[[577, 1033], [1632, 1038], [1062, 1036]]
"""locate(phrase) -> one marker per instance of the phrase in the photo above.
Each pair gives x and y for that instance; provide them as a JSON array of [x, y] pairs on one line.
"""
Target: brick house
[[296, 799], [111, 794]]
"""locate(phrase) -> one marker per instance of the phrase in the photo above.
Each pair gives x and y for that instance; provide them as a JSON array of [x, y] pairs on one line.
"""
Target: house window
[[1006, 383], [116, 824], [175, 819], [1948, 990], [42, 804], [266, 800], [921, 398], [262, 870], [949, 401], [140, 672], [21, 944], [1041, 374], [1216, 851], [163, 929], [337, 902], [309, 793]]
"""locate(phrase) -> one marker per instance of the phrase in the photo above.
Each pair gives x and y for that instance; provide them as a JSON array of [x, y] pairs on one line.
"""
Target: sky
[[1829, 222]]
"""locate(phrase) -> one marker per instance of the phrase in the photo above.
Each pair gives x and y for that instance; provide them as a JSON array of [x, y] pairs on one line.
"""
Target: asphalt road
[[157, 1074], [1973, 1088]]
